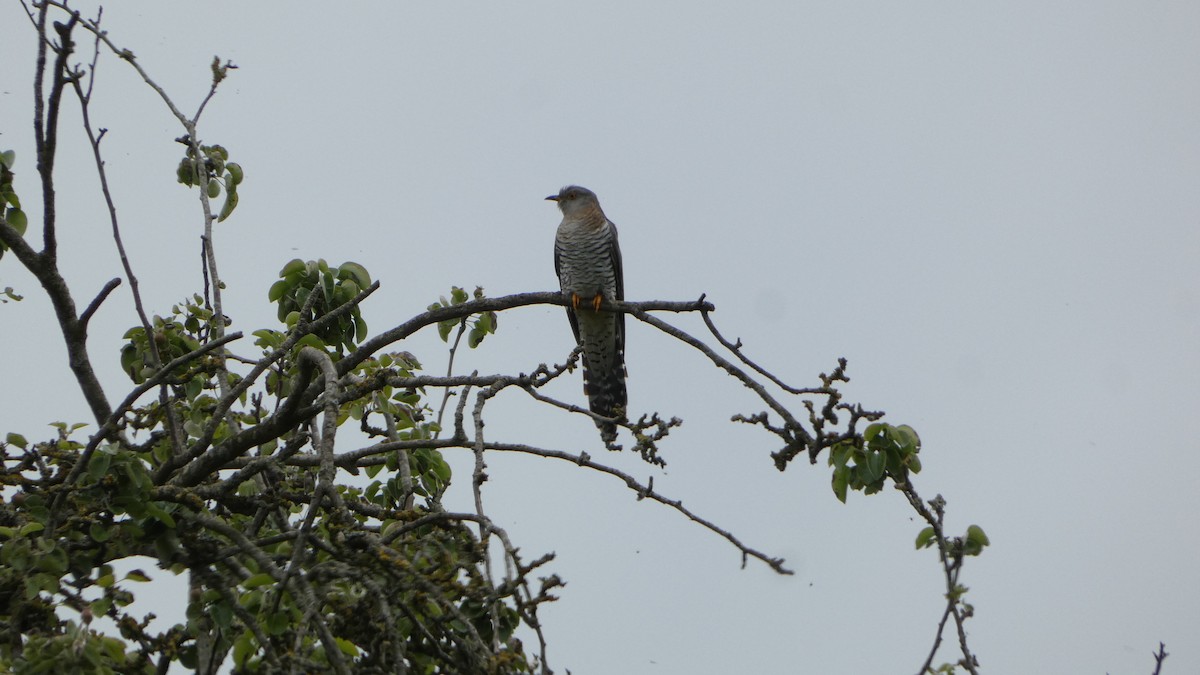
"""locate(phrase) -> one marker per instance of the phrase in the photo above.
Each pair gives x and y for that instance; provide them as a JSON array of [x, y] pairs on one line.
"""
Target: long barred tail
[[604, 373], [605, 389]]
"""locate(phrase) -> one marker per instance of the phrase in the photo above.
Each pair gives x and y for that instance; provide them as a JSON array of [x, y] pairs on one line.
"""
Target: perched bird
[[588, 262]]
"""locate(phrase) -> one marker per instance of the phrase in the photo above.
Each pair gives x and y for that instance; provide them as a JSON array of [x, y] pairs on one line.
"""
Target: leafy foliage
[[482, 325], [211, 170], [866, 462], [10, 204], [399, 581], [307, 290], [172, 338]]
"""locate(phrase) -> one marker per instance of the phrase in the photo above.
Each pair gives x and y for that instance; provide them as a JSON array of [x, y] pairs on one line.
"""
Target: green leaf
[[348, 648], [98, 465], [277, 623], [352, 270], [243, 648], [16, 439], [231, 202], [16, 218], [440, 468], [214, 188], [346, 290], [310, 340], [40, 582], [327, 287], [222, 614], [874, 431], [157, 512], [251, 600], [486, 322], [841, 478], [895, 461], [925, 538], [8, 158], [839, 454], [267, 337], [30, 528], [99, 532], [914, 464], [131, 363], [257, 580], [976, 540], [137, 575], [876, 461], [908, 440], [277, 290], [186, 173], [235, 172], [293, 266]]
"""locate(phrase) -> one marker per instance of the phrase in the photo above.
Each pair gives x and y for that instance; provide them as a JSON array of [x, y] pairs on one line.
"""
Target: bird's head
[[575, 200]]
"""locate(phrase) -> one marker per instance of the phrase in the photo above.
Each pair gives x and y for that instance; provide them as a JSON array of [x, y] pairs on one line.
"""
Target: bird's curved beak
[[552, 198]]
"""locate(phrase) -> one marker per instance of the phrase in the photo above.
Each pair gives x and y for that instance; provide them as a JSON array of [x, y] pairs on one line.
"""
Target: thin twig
[[174, 428], [1160, 656], [736, 348], [792, 424], [951, 556], [645, 492], [124, 54], [98, 300], [402, 461], [462, 328], [478, 477], [46, 130]]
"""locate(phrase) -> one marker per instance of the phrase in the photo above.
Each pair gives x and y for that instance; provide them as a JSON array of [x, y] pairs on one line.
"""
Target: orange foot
[[575, 301], [596, 302]]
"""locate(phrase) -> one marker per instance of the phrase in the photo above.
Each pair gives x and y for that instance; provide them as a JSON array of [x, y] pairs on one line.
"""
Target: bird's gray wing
[[558, 272], [614, 253]]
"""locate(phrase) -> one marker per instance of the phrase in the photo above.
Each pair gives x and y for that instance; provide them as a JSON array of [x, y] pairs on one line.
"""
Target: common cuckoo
[[588, 262]]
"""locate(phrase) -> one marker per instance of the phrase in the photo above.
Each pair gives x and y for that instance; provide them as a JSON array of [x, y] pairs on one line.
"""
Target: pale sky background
[[991, 209]]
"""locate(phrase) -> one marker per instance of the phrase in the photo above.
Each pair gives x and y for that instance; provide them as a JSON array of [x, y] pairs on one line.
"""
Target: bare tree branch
[[1160, 656], [644, 492], [109, 286]]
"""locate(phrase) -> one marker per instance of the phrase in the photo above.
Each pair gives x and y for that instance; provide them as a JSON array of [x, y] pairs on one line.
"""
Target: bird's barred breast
[[586, 266]]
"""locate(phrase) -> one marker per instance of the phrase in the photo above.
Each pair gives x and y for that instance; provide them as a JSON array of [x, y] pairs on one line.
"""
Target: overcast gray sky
[[991, 209]]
